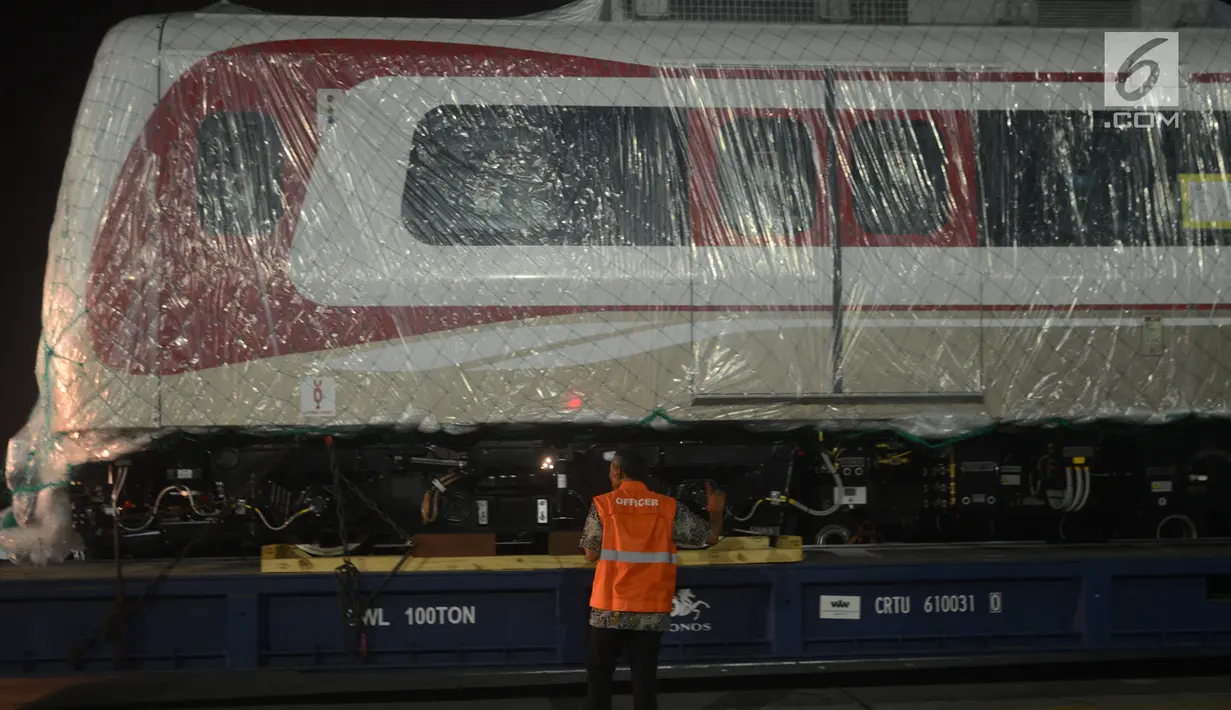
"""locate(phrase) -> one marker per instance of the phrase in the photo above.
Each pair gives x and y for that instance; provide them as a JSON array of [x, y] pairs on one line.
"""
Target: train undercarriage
[[373, 492]]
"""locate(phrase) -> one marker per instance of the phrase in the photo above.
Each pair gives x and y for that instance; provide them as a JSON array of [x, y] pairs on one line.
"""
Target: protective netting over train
[[289, 223]]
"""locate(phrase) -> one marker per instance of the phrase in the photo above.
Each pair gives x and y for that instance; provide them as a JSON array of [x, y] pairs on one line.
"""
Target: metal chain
[[123, 608], [347, 575], [337, 498], [376, 509]]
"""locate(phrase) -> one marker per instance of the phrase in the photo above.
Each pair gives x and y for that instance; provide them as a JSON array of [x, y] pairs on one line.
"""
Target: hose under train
[[776, 498], [1076, 490], [430, 508]]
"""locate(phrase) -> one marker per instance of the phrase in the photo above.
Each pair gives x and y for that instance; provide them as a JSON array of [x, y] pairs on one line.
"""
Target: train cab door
[[909, 310], [761, 265]]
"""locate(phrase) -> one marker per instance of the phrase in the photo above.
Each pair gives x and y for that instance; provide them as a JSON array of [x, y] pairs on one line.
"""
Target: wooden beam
[[284, 559]]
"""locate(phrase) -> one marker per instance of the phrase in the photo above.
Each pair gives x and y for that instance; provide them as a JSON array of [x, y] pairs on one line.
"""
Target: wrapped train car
[[311, 267]]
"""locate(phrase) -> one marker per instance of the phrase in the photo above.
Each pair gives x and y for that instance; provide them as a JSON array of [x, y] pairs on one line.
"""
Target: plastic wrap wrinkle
[[578, 11], [229, 8], [311, 224]]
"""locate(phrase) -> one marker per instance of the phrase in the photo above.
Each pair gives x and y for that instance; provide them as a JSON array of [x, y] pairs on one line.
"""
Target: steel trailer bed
[[841, 606]]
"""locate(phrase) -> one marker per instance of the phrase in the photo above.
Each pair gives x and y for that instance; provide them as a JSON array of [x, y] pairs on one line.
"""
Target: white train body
[[279, 221]]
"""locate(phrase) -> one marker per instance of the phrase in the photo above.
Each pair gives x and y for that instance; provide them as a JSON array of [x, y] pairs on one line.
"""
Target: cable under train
[[1027, 485], [476, 255]]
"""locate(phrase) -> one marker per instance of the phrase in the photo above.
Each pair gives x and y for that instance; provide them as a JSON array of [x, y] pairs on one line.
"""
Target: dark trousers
[[605, 648]]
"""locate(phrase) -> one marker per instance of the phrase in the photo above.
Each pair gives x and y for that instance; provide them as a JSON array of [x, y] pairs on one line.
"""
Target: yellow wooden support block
[[742, 543], [747, 551], [284, 559], [282, 552], [387, 563], [790, 542], [697, 558]]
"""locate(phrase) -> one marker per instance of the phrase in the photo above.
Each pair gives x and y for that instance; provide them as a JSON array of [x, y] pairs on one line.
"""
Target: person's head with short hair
[[628, 465]]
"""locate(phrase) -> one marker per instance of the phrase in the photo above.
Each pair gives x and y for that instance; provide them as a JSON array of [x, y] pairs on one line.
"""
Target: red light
[[574, 403]]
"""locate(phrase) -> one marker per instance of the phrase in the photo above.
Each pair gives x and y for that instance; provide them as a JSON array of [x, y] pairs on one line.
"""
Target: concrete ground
[[1128, 694], [1181, 694]]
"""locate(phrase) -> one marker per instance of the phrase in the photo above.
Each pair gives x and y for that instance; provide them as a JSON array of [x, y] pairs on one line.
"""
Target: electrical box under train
[[1027, 485]]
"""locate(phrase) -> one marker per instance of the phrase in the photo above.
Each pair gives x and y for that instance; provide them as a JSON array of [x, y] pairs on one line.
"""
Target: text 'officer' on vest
[[638, 502]]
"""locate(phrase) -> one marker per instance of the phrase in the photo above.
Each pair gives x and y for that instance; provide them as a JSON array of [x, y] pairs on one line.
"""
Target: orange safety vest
[[636, 568]]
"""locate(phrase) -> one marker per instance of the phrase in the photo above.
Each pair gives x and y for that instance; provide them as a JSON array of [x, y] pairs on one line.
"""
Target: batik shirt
[[688, 530]]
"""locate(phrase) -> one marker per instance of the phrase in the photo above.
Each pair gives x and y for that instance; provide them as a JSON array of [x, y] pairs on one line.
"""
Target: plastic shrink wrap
[[286, 223]]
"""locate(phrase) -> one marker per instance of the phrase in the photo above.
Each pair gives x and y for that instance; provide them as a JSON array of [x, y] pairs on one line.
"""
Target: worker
[[632, 534]]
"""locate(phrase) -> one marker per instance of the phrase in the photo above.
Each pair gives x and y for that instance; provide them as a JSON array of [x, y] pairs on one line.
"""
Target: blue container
[[900, 604], [446, 620], [854, 612]]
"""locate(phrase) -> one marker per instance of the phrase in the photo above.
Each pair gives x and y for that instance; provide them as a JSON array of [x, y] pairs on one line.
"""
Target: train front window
[[239, 171], [898, 177], [543, 176], [767, 178]]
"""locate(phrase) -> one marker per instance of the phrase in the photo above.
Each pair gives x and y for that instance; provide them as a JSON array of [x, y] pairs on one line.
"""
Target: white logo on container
[[686, 604]]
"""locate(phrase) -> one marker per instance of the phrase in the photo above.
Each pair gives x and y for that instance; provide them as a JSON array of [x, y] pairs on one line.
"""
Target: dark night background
[[60, 40], [51, 73]]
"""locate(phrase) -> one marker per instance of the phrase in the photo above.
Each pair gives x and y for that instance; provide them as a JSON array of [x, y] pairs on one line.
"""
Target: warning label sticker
[[839, 607], [318, 397]]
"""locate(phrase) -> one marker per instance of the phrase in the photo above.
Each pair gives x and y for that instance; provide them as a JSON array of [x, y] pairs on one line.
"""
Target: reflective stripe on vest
[[638, 557]]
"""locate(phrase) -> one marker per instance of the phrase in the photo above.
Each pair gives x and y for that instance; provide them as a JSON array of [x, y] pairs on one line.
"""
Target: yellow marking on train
[[1186, 218]]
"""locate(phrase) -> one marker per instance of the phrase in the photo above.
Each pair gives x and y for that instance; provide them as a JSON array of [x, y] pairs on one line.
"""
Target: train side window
[[239, 172], [767, 179], [543, 176], [1070, 179], [637, 181], [486, 175], [1205, 151], [898, 177], [1207, 142]]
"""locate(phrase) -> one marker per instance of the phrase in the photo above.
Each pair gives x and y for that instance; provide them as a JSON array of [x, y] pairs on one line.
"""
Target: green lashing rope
[[659, 413]]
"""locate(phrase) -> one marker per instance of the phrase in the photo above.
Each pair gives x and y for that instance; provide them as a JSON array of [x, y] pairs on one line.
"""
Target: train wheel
[[1176, 527], [832, 535]]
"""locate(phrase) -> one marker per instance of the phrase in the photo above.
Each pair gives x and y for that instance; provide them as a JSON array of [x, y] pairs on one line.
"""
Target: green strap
[[659, 413]]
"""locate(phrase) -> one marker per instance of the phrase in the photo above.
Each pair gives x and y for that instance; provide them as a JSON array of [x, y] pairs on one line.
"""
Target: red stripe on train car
[[207, 304], [396, 57], [205, 307], [789, 74], [1195, 308], [751, 73], [1018, 77]]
